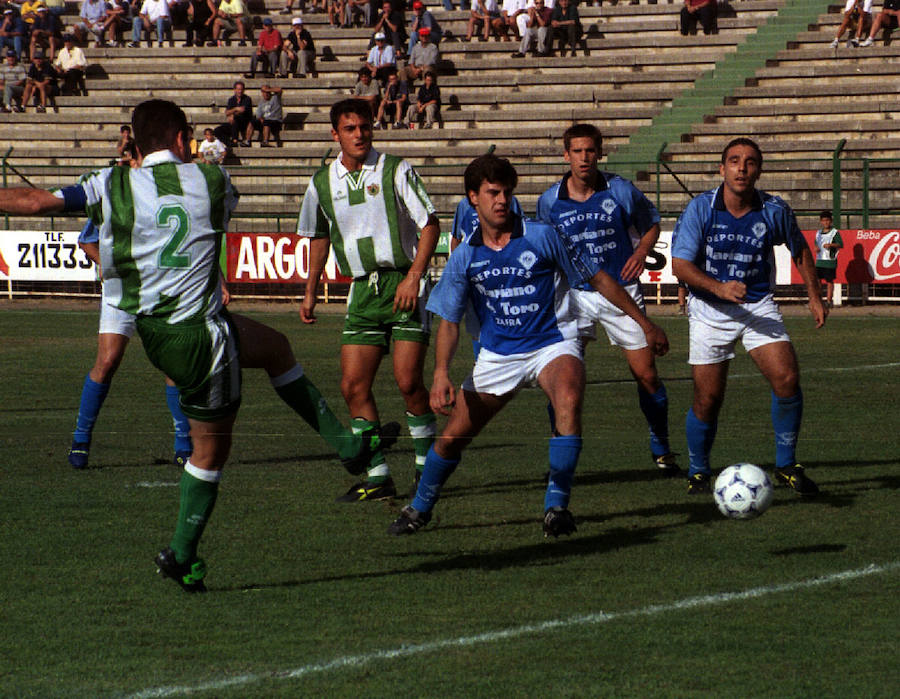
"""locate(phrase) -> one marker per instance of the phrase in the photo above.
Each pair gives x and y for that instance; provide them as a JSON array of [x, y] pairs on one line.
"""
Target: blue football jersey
[[519, 294], [601, 226], [736, 249], [465, 219]]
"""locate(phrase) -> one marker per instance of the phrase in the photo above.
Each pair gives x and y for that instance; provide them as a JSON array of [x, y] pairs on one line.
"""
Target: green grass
[[298, 580]]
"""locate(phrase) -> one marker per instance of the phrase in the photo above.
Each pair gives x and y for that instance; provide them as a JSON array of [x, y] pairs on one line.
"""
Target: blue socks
[[564, 452], [437, 471], [700, 437], [182, 426], [786, 416], [92, 396], [655, 407]]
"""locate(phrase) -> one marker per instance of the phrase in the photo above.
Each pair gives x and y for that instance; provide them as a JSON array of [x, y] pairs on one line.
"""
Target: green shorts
[[370, 318], [201, 357]]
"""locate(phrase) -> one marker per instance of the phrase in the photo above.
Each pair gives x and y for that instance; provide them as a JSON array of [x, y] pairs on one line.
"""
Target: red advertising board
[[868, 256], [258, 258]]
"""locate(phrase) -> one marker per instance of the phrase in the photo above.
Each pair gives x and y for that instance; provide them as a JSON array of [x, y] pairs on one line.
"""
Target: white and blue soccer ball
[[743, 491]]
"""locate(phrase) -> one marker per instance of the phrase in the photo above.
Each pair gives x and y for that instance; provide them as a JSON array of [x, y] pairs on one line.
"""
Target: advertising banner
[[44, 256], [868, 257], [258, 258]]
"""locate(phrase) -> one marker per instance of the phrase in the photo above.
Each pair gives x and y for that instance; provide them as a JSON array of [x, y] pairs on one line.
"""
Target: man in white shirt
[[70, 64], [153, 13]]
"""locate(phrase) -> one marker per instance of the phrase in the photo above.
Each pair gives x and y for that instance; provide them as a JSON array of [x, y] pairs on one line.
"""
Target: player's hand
[[407, 294], [308, 310], [226, 295], [657, 340], [734, 291], [633, 267], [819, 311], [443, 394]]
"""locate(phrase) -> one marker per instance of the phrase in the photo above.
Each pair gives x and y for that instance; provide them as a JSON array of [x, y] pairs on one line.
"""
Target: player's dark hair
[[743, 141], [826, 214], [156, 124], [583, 131], [352, 105], [490, 168]]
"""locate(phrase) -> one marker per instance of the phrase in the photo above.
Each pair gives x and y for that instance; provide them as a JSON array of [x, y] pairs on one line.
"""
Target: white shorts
[[866, 5], [715, 328], [621, 329], [499, 374], [115, 321]]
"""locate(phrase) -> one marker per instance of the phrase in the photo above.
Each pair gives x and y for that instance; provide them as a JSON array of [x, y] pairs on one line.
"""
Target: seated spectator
[[153, 14], [368, 89], [13, 32], [424, 58], [298, 55], [92, 20], [888, 19], [178, 12], [858, 14], [201, 15], [381, 59], [509, 14], [57, 8], [239, 115], [481, 18], [354, 9], [125, 147], [393, 106], [704, 11], [40, 82], [393, 24], [29, 11], [269, 116], [566, 25], [423, 18], [428, 104], [118, 16], [211, 149], [268, 49], [230, 19], [70, 65], [536, 28], [12, 77], [46, 33], [336, 10]]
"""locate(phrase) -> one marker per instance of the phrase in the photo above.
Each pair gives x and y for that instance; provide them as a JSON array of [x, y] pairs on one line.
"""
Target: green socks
[[378, 470], [199, 489], [422, 429]]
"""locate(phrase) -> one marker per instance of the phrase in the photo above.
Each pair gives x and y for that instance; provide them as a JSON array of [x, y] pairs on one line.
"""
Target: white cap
[[379, 35], [297, 20]]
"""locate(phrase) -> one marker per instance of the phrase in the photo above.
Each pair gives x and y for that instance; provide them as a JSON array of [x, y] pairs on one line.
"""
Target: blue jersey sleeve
[[449, 298], [641, 212], [577, 266], [89, 234], [688, 233], [787, 229], [460, 219]]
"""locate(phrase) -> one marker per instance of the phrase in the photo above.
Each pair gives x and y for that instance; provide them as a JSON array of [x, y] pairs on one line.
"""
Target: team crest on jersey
[[373, 190], [759, 229], [608, 206], [527, 259]]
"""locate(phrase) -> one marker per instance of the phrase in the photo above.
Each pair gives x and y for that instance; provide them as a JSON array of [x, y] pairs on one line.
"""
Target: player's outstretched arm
[[407, 293], [443, 392], [318, 254], [691, 274], [606, 285], [28, 201], [634, 265], [807, 269]]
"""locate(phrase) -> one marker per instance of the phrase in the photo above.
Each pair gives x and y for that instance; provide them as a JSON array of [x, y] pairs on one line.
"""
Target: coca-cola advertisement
[[868, 257]]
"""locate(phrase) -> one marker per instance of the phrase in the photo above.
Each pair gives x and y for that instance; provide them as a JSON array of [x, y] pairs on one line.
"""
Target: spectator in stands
[[509, 13], [704, 11], [13, 32], [116, 18], [537, 29], [70, 65], [481, 18], [211, 149], [46, 33], [298, 55], [239, 114], [201, 15], [369, 89], [57, 8], [125, 147], [29, 11], [40, 82], [392, 23], [422, 18], [336, 10], [566, 25], [230, 19], [424, 58], [354, 9], [268, 49], [393, 106], [153, 14], [858, 14], [428, 104], [178, 12], [888, 18], [381, 58], [269, 116], [12, 78]]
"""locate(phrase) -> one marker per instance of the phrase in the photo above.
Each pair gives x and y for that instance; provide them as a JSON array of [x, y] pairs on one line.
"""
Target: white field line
[[155, 484], [351, 661]]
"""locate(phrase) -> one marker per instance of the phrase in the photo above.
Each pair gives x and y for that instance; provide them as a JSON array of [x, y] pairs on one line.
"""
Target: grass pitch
[[309, 597]]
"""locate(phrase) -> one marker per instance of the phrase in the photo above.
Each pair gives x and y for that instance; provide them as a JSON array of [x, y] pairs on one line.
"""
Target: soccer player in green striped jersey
[[160, 234], [369, 208]]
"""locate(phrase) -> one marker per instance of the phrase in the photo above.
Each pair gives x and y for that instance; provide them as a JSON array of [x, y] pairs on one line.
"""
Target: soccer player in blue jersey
[[598, 212], [722, 248], [517, 274]]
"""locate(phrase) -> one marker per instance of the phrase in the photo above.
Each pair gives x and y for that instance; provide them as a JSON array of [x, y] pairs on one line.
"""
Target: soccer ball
[[743, 491]]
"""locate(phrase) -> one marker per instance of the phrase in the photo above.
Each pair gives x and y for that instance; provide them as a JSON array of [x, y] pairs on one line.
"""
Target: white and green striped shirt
[[160, 234], [372, 215]]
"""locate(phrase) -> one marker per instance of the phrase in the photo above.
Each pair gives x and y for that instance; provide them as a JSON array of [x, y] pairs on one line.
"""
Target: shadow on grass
[[816, 548]]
